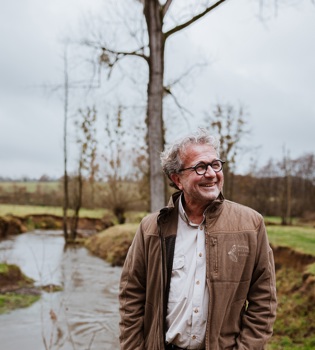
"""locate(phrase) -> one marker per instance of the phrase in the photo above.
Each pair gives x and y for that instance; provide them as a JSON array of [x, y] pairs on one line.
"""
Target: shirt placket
[[198, 288]]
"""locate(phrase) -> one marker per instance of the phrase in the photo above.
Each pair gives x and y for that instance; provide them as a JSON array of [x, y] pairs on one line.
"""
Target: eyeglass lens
[[201, 168]]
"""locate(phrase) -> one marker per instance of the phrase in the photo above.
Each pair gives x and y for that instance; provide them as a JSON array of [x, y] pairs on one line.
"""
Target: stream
[[84, 316]]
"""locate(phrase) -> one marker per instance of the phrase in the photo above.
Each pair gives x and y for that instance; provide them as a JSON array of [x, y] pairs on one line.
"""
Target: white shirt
[[188, 298]]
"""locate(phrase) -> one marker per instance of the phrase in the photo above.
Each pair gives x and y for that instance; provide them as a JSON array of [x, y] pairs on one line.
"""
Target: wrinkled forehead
[[194, 153]]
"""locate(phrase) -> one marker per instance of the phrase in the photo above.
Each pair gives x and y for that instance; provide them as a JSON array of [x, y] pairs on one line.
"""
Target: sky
[[266, 66]]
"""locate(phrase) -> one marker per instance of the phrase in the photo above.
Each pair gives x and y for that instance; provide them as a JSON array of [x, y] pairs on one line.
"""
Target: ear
[[176, 179]]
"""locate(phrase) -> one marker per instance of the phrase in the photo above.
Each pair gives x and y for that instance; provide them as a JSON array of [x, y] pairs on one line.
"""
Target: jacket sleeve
[[259, 317], [132, 296]]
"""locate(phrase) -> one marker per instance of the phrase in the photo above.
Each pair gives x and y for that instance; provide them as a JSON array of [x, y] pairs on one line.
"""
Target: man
[[199, 274]]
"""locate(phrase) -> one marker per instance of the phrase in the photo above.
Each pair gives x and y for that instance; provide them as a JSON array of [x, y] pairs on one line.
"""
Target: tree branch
[[118, 54], [193, 19], [187, 73], [166, 7], [181, 108]]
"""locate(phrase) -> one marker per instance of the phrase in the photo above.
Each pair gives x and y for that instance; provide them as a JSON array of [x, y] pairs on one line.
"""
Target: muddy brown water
[[83, 316]]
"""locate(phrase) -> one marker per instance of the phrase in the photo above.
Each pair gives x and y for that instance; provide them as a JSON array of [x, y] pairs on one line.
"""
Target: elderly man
[[200, 273]]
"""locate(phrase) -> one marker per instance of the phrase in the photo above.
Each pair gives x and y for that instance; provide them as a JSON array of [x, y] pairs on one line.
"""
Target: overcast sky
[[266, 66]]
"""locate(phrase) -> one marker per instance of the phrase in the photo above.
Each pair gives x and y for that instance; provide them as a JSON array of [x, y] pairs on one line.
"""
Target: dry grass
[[113, 243]]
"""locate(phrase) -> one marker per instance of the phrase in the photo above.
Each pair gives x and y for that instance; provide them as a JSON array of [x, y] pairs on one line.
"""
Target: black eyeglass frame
[[206, 167]]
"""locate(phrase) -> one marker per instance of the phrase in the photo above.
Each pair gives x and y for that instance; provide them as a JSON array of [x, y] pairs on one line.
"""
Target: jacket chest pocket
[[231, 259]]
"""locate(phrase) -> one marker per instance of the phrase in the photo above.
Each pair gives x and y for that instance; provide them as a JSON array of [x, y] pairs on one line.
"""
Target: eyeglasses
[[202, 167]]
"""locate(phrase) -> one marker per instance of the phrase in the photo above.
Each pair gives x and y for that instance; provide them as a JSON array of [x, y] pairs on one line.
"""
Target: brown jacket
[[240, 279]]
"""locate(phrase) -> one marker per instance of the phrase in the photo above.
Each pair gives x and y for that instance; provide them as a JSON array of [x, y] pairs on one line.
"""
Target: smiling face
[[199, 190]]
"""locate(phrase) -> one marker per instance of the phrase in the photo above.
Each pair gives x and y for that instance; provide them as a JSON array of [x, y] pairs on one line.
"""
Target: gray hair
[[171, 157]]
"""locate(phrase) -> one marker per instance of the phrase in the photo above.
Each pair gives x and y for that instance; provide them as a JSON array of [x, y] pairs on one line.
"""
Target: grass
[[11, 279], [301, 239], [276, 220], [4, 268], [30, 186], [113, 243], [23, 210], [294, 328], [311, 269], [12, 274], [11, 301]]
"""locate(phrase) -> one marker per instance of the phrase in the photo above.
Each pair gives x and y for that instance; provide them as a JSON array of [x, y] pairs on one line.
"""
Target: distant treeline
[[286, 196], [95, 195], [42, 178]]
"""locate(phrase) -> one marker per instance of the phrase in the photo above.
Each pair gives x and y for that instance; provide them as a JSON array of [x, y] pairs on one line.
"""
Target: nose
[[210, 172]]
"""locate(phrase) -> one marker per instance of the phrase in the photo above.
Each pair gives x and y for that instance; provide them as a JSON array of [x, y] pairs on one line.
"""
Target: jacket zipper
[[214, 243]]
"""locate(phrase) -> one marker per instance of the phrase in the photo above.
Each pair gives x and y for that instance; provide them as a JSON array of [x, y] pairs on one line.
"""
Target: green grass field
[[301, 239], [23, 210], [30, 187]]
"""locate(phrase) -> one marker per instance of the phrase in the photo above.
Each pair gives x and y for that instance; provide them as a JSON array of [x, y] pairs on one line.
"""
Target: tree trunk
[[78, 204], [155, 130], [289, 201], [65, 151]]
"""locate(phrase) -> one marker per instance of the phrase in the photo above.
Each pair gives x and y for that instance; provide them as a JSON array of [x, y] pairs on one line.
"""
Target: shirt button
[[198, 282], [193, 337], [196, 310], [200, 254]]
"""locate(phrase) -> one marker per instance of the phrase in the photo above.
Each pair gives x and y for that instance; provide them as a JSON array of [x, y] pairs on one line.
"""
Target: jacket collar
[[215, 207], [168, 216], [212, 210]]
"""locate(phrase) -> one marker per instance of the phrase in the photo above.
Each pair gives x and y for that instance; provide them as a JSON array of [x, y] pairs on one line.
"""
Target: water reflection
[[83, 316]]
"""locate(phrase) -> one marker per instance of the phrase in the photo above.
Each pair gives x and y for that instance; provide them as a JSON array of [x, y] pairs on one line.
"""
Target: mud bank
[[12, 225], [16, 289], [287, 257], [294, 327]]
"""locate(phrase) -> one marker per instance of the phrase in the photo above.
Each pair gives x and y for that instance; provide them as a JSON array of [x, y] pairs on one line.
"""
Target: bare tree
[[153, 51], [65, 149], [122, 178], [286, 188], [303, 178], [87, 166], [163, 19], [67, 86], [231, 126]]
